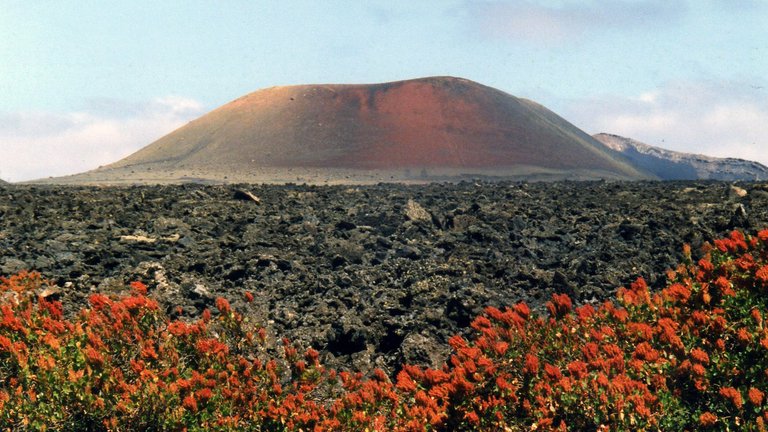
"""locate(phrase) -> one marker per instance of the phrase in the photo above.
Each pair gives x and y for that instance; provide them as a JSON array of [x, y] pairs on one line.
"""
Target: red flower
[[585, 312], [312, 356], [500, 348], [725, 286], [248, 296], [148, 352], [139, 288], [405, 382], [723, 245], [552, 372], [559, 306], [577, 369], [738, 240], [523, 310], [457, 342], [481, 323], [590, 351], [720, 344]]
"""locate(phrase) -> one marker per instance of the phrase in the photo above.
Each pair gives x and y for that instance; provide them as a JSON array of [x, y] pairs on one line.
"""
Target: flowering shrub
[[122, 365], [693, 356]]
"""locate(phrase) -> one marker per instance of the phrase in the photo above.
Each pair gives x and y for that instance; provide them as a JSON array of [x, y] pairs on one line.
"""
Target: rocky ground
[[370, 275]]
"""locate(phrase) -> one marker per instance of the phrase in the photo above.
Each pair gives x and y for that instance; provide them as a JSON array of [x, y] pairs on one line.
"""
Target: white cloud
[[715, 119], [41, 144], [530, 20]]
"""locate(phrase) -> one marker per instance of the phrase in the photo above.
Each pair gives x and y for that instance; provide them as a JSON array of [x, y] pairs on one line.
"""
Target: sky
[[84, 83]]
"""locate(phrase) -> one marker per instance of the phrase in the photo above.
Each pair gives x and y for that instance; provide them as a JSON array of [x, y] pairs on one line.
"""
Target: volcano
[[433, 128]]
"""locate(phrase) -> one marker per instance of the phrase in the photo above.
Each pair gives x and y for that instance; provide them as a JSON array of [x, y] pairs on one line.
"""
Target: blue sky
[[84, 83]]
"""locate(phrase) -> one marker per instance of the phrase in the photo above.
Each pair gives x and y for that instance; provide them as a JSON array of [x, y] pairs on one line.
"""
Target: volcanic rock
[[346, 271]]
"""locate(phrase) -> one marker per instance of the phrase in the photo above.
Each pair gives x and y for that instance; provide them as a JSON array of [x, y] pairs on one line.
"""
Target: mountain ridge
[[673, 165]]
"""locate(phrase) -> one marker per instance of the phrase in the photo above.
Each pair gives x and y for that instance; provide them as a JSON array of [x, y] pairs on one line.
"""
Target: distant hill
[[671, 165], [425, 129]]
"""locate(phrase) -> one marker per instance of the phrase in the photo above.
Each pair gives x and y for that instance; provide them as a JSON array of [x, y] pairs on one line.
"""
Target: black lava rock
[[373, 275]]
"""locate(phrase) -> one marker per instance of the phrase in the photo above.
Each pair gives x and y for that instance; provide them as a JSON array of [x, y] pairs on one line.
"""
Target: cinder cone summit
[[438, 127]]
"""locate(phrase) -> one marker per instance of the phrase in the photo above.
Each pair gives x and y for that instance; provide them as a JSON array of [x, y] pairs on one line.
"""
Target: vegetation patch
[[692, 356]]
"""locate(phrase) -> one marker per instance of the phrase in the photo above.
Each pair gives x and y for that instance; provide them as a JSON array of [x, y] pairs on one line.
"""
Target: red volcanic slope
[[424, 123]]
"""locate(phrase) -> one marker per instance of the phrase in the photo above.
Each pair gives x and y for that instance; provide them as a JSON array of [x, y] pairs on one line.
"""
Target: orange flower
[[744, 336], [698, 370], [643, 330], [5, 343], [93, 357], [700, 356], [725, 286], [457, 342], [720, 344], [677, 292], [707, 419], [179, 328], [204, 394], [738, 240], [74, 376], [699, 318], [762, 275], [733, 395], [645, 351], [755, 396], [248, 296], [190, 403], [706, 265], [531, 364], [472, 417], [223, 305]]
